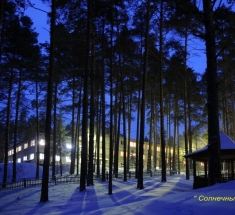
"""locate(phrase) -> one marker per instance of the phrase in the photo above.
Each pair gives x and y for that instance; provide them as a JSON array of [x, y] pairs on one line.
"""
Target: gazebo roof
[[227, 148]]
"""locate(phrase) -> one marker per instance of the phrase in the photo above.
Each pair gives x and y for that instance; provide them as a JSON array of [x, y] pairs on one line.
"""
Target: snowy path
[[173, 197]]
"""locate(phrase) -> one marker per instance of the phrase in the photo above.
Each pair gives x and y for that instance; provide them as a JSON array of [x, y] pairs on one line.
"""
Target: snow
[[225, 143], [175, 196]]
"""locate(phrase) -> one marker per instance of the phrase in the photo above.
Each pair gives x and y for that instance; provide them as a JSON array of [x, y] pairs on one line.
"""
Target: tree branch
[[220, 52], [32, 5]]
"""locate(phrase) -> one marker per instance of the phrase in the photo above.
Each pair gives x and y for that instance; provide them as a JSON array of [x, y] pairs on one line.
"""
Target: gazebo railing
[[200, 178], [227, 177]]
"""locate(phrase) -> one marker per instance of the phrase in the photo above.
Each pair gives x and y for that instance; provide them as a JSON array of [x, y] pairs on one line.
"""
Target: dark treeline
[[117, 66]]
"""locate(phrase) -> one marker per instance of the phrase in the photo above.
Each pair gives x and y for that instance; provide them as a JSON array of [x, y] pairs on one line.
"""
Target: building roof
[[226, 144]]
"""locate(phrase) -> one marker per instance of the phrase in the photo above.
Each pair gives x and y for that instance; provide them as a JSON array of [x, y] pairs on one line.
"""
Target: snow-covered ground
[[173, 197]]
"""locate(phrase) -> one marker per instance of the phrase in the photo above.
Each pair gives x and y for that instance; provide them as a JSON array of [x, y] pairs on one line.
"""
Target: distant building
[[26, 151]]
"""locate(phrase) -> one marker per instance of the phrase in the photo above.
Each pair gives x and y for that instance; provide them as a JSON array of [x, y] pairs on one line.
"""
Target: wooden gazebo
[[200, 159]]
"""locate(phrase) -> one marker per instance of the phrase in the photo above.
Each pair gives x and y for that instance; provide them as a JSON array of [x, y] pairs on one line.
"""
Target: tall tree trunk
[[110, 191], [99, 116], [190, 138], [185, 107], [73, 146], [212, 95], [163, 159], [103, 107], [137, 134], [149, 164], [55, 130], [16, 125], [175, 131], [226, 108], [77, 138], [92, 116], [37, 127], [117, 139], [154, 133], [129, 132], [7, 130], [178, 145], [46, 163], [169, 135], [85, 102], [140, 184]]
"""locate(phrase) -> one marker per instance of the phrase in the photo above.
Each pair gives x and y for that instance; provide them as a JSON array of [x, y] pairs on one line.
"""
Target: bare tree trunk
[[178, 146], [140, 184], [55, 131], [46, 163], [16, 126], [175, 131], [99, 108], [212, 95], [7, 130], [185, 107], [60, 153], [78, 130], [137, 136], [129, 132], [37, 128], [163, 179], [85, 103], [149, 164], [73, 147], [92, 116], [117, 141], [190, 138], [110, 191]]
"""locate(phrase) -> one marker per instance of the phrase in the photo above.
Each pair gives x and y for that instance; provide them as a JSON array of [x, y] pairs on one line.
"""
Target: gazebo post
[[232, 169], [205, 168], [194, 169]]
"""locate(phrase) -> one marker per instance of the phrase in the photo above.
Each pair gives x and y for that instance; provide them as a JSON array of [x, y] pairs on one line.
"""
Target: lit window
[[18, 149], [42, 142], [57, 158], [68, 146], [32, 143], [143, 156], [132, 144], [67, 159], [25, 158], [19, 160], [31, 157], [122, 153], [12, 151], [41, 156], [25, 145], [9, 153]]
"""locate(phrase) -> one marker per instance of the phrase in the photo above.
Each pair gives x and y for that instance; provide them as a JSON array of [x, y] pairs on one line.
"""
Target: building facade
[[26, 151]]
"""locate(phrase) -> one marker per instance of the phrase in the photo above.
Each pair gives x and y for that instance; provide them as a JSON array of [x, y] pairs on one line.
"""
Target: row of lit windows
[[25, 158], [122, 154], [57, 157], [41, 157], [25, 145]]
